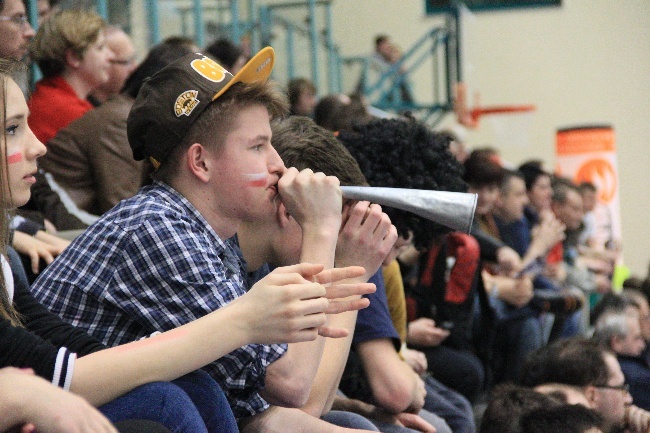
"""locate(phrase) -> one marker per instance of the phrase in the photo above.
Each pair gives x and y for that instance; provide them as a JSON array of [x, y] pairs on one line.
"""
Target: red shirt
[[53, 105]]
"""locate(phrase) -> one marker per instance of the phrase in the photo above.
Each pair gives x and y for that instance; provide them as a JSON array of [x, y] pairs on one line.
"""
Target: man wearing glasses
[[587, 367], [621, 333], [15, 31]]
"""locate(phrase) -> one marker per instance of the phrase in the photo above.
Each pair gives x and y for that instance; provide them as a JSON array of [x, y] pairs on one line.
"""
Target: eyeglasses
[[624, 387], [19, 20], [127, 62]]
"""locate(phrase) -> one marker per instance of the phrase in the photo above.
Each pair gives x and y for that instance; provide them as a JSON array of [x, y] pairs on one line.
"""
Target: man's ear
[[592, 396], [72, 59], [198, 162], [282, 216]]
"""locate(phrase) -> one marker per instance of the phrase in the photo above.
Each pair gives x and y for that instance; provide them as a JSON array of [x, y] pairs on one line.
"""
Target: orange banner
[[588, 154]]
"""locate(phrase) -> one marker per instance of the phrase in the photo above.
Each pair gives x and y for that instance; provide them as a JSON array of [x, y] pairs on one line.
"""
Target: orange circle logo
[[601, 173]]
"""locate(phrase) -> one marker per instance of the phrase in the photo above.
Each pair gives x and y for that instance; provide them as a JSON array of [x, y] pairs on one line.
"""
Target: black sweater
[[45, 343]]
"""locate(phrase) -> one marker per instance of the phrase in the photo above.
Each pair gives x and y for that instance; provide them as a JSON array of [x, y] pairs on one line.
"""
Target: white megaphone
[[450, 209]]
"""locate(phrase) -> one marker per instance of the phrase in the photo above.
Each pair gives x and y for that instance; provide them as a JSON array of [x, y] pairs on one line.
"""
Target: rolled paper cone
[[450, 209]]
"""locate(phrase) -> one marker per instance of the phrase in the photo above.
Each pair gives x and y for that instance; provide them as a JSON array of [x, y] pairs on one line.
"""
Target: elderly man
[[621, 333]]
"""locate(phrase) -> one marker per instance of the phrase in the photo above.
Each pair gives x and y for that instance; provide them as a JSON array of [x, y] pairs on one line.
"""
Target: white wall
[[586, 62]]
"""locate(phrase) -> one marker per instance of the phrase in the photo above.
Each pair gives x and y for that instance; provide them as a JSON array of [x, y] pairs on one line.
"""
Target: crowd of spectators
[[218, 281]]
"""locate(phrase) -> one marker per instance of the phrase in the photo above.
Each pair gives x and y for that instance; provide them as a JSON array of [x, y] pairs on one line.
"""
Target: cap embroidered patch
[[186, 102]]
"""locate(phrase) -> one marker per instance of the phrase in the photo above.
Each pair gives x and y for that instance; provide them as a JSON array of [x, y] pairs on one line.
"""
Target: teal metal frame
[[270, 16], [441, 45]]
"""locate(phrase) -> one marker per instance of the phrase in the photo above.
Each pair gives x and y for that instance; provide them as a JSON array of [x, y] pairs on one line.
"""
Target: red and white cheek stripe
[[256, 179], [14, 158]]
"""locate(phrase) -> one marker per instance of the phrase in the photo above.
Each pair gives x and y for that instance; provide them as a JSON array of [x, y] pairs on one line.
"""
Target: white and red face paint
[[256, 180], [14, 158]]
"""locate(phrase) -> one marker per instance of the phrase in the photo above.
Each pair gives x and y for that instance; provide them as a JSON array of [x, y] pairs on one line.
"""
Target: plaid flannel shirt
[[151, 264]]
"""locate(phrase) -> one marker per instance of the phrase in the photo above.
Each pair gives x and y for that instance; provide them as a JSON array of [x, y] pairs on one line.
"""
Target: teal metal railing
[[383, 85], [282, 31]]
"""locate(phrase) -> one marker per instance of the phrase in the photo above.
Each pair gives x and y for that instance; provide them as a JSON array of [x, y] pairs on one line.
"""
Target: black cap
[[172, 99]]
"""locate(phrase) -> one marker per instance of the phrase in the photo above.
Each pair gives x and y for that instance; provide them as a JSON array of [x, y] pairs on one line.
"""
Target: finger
[[331, 332], [345, 213], [345, 290], [310, 321], [288, 176], [371, 217], [337, 274], [49, 258], [336, 307], [358, 214], [308, 334], [307, 270], [308, 307], [34, 258], [391, 234]]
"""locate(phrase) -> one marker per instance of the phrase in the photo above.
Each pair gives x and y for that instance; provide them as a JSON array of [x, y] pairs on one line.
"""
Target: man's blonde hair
[[73, 29]]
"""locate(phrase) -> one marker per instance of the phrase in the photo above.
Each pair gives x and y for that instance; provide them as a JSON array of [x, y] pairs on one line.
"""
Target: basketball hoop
[[470, 117], [511, 123]]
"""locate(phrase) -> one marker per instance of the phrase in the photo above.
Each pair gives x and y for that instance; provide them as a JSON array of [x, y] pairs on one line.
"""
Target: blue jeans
[[210, 401], [519, 332], [449, 405], [348, 420], [460, 370], [193, 403], [162, 402]]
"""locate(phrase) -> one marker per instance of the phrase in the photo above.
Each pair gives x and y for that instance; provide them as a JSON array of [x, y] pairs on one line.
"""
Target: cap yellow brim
[[257, 69]]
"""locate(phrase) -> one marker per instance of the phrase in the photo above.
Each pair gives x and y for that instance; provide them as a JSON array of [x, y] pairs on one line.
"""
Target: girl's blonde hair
[[8, 69]]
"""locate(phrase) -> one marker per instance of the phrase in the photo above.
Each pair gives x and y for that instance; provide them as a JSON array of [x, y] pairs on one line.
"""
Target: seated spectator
[[292, 310], [15, 30], [303, 144], [593, 370], [302, 97], [518, 330], [406, 154], [91, 158], [566, 204], [215, 168], [621, 333], [71, 52], [227, 54], [121, 65]]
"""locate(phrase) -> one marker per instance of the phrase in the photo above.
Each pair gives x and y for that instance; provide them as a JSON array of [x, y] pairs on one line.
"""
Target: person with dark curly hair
[[407, 154]]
